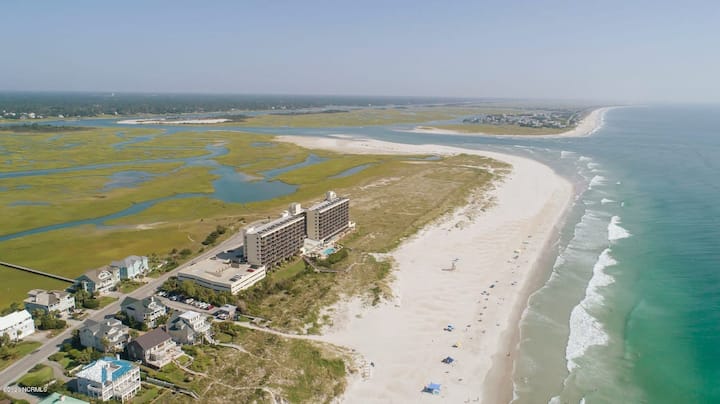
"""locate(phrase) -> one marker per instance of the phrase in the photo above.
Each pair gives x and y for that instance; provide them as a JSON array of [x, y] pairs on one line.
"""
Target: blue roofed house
[[131, 267], [109, 378]]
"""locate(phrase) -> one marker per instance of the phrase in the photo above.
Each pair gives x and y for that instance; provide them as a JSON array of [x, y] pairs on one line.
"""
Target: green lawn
[[17, 351], [289, 270], [63, 359], [146, 395], [128, 286], [37, 376], [105, 300]]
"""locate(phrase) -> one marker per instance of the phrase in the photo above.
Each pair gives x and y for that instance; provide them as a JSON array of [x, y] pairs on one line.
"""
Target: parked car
[[189, 300]]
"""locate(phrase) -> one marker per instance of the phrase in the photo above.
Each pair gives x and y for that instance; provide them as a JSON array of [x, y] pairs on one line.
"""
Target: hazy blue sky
[[624, 50]]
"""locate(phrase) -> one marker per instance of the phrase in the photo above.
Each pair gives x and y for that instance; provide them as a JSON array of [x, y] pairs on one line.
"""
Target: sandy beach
[[589, 125], [497, 252]]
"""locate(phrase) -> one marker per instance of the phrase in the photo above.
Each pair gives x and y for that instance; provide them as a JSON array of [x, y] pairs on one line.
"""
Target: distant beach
[[496, 249], [587, 126]]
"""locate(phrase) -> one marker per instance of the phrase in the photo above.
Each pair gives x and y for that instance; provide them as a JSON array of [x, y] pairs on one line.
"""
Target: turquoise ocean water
[[630, 311]]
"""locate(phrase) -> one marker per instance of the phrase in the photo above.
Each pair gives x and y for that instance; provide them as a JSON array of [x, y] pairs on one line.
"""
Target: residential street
[[22, 365]]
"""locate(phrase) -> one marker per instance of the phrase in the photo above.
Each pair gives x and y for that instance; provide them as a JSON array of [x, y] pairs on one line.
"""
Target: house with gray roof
[[131, 267], [49, 301], [155, 348], [190, 328], [98, 281], [145, 310], [109, 335]]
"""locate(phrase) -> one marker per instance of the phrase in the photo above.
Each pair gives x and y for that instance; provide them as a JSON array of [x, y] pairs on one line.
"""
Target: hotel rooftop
[[223, 275]]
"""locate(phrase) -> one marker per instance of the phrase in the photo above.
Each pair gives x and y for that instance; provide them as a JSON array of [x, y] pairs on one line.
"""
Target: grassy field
[[33, 151], [19, 350], [499, 129], [37, 376]]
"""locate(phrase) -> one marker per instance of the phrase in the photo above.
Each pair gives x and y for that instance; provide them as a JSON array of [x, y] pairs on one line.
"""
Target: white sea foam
[[605, 201], [593, 166], [584, 158], [597, 180], [565, 154], [615, 231], [586, 330]]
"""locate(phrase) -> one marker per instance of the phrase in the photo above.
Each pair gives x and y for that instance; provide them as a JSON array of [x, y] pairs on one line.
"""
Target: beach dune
[[496, 253]]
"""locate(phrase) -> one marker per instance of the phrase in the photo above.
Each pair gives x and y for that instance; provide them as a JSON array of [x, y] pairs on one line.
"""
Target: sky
[[629, 51]]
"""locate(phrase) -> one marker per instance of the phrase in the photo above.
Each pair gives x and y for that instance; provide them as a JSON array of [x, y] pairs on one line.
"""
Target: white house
[[109, 378], [52, 300], [17, 325], [189, 328]]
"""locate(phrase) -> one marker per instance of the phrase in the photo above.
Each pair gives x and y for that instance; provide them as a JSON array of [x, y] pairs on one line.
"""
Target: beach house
[[17, 325], [146, 310], [189, 328], [48, 301], [131, 267], [109, 378], [108, 335], [155, 348], [98, 280]]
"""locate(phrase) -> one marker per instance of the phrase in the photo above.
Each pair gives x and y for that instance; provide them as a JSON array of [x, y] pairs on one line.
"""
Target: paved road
[[24, 364]]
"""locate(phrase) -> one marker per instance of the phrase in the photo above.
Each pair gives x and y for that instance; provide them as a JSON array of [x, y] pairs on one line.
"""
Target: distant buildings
[[48, 301], [146, 310], [17, 325], [155, 348], [280, 239], [189, 328], [109, 335], [99, 281], [538, 119], [109, 378], [131, 267]]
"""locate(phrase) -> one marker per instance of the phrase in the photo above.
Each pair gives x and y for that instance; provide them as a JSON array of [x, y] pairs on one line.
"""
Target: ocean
[[630, 310]]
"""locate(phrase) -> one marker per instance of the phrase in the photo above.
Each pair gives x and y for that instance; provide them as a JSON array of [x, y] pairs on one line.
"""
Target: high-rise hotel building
[[282, 238], [327, 218], [277, 240]]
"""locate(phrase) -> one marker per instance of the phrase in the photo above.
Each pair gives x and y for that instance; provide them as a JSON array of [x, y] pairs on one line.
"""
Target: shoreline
[[500, 251], [587, 127]]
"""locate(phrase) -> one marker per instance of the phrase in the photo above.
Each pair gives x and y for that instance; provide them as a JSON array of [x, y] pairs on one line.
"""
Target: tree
[[4, 340], [91, 303], [188, 288], [106, 345]]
